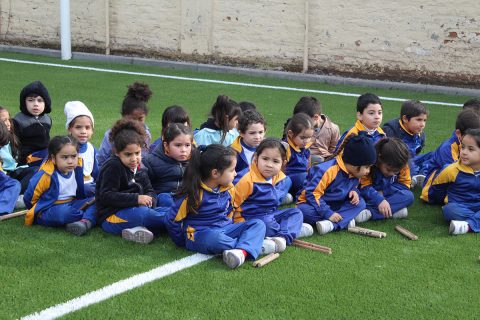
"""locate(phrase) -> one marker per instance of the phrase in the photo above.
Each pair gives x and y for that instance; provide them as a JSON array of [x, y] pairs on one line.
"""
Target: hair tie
[[202, 148]]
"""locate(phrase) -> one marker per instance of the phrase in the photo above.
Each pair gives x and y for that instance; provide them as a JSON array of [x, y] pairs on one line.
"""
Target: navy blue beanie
[[359, 151], [37, 88]]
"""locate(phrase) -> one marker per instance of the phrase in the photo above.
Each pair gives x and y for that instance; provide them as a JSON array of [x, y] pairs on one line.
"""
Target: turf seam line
[[117, 288], [233, 83]]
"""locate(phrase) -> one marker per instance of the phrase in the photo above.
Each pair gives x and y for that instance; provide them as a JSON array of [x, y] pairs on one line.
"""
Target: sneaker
[[363, 216], [287, 200], [268, 246], [280, 243], [458, 227], [20, 204], [78, 228], [324, 226], [138, 234], [418, 180], [400, 214], [233, 258], [351, 224], [306, 231]]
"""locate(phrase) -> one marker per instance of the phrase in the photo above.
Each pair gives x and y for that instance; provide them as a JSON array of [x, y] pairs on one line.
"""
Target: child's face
[[66, 159], [226, 177], [470, 152], [5, 118], [179, 148], [371, 116], [81, 129], [357, 171], [387, 171], [35, 105], [302, 139], [137, 115], [232, 123], [317, 120], [254, 134], [131, 156], [416, 124], [269, 162]]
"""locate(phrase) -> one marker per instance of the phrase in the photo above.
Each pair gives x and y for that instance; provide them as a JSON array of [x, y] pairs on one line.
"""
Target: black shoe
[[78, 228]]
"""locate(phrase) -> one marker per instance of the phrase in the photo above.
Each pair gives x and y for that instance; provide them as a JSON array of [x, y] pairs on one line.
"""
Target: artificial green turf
[[434, 277]]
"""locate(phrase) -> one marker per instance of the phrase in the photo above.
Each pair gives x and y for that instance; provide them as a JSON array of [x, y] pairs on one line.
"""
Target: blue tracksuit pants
[[9, 191], [297, 182], [459, 211], [285, 223], [398, 200], [61, 214], [152, 219], [347, 210], [246, 235]]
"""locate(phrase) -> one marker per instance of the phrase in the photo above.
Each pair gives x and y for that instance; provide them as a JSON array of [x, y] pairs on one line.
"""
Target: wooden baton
[[368, 232], [265, 260], [406, 233], [87, 204], [312, 246], [13, 215]]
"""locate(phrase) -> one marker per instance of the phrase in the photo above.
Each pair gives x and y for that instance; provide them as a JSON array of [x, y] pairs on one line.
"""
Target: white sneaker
[[280, 243], [233, 258], [324, 226], [363, 216], [287, 200], [20, 204], [351, 224], [418, 180], [458, 227], [268, 246], [400, 214], [138, 235], [306, 231]]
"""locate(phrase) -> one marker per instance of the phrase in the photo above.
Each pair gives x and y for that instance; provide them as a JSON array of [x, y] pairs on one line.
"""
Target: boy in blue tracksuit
[[410, 129], [386, 189], [330, 198]]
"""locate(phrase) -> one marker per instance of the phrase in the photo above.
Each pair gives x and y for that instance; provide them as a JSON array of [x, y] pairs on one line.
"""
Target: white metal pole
[[65, 36]]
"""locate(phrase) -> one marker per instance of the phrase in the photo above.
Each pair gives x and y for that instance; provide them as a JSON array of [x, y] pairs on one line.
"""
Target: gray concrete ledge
[[378, 84]]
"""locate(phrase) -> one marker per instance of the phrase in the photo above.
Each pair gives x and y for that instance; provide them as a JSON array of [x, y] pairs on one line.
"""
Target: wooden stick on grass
[[265, 260], [368, 232], [312, 246], [13, 215], [406, 233]]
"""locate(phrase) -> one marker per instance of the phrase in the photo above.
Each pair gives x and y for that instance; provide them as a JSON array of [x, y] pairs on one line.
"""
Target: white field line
[[243, 84], [117, 288]]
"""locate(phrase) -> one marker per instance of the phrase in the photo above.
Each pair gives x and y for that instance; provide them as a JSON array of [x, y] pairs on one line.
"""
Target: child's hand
[[144, 200], [335, 217], [384, 208], [354, 198]]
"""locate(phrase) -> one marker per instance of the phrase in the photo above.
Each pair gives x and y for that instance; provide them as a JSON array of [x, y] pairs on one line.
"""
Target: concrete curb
[[378, 84]]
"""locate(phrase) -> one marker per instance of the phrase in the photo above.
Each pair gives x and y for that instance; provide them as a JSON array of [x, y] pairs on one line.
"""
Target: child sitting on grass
[[172, 114], [80, 125], [221, 126], [369, 118], [251, 126], [55, 196], [330, 198], [9, 188], [201, 218], [410, 129], [386, 189], [458, 185]]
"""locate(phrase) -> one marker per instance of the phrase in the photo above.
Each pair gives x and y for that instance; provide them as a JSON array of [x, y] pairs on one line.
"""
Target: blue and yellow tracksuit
[[375, 136], [458, 186], [375, 187], [9, 192], [211, 230], [239, 146], [326, 192], [256, 198], [415, 142], [298, 163], [42, 194], [448, 152]]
